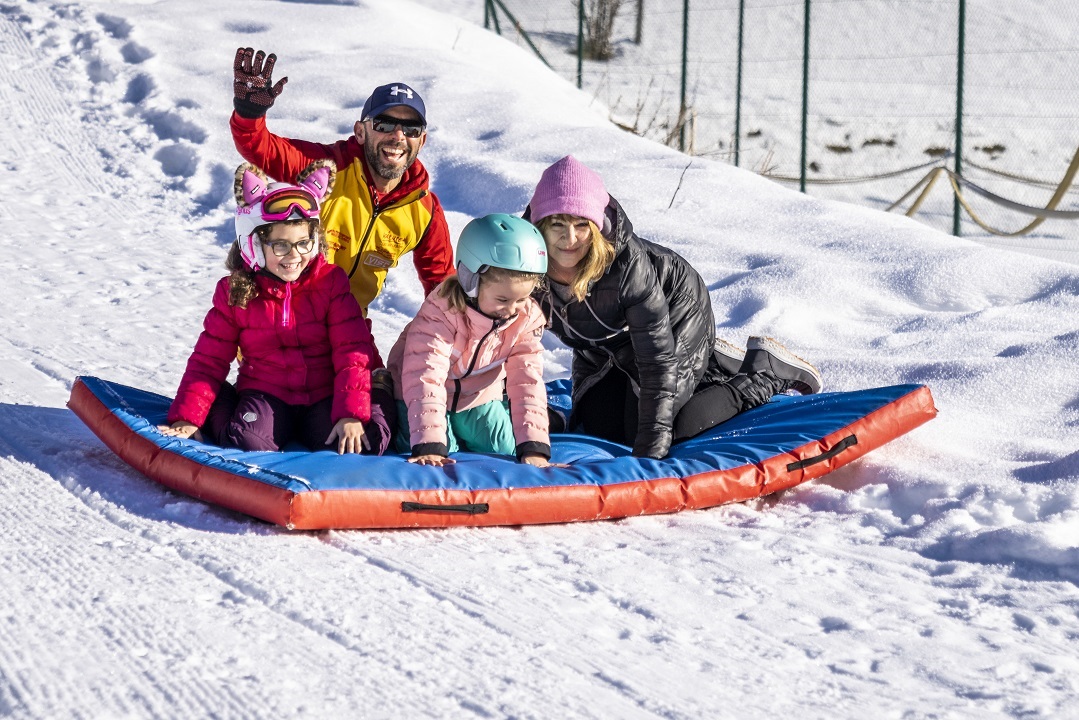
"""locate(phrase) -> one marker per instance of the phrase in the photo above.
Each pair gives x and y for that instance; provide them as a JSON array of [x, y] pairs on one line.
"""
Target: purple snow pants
[[253, 420]]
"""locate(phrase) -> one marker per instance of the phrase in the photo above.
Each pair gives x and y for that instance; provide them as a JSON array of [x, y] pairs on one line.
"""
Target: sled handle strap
[[840, 446], [468, 508]]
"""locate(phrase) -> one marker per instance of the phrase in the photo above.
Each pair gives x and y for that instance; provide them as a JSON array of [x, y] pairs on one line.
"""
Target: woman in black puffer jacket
[[647, 369]]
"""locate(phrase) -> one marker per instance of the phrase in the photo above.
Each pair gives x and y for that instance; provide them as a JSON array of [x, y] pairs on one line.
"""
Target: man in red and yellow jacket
[[381, 206]]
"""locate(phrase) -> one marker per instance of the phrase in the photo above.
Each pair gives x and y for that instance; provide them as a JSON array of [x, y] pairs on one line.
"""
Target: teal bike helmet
[[502, 241]]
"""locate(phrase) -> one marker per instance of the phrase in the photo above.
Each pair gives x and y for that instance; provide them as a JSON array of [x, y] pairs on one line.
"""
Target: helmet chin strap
[[251, 252], [474, 303], [470, 281]]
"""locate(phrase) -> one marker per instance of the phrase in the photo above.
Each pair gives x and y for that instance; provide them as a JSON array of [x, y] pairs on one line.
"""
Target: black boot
[[728, 357], [756, 389], [768, 369], [766, 355], [556, 420]]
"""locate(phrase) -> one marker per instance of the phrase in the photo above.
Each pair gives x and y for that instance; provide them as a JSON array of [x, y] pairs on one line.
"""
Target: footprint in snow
[[246, 28], [177, 160], [1023, 622], [168, 125], [833, 624], [116, 27], [135, 54], [139, 88]]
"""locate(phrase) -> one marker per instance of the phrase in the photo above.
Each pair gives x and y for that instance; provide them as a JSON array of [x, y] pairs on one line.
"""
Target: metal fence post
[[685, 57], [959, 111], [805, 97], [738, 89], [518, 27], [580, 41]]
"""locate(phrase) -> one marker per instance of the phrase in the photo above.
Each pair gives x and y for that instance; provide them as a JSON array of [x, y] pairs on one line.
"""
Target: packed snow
[[937, 577]]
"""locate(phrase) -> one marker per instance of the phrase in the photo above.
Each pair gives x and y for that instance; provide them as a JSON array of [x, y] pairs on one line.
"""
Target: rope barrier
[[958, 182], [1046, 214], [855, 180], [1040, 214], [1017, 178], [927, 181]]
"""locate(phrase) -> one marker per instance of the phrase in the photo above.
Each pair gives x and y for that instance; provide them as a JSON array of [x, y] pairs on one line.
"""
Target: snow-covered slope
[[936, 577]]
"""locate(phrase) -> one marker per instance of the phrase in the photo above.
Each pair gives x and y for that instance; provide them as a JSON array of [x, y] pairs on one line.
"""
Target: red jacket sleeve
[[433, 256], [209, 363], [280, 158], [354, 352]]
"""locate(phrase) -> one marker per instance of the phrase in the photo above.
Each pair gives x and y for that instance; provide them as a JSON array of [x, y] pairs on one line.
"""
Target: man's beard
[[384, 170]]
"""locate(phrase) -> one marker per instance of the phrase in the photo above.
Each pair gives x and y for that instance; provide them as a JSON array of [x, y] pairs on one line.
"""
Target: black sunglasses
[[385, 125]]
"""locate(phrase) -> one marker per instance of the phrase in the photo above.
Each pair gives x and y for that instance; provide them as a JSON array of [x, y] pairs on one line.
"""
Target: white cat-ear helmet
[[259, 203], [498, 240]]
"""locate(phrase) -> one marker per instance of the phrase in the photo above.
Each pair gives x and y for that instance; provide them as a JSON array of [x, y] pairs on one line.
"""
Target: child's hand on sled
[[348, 432], [431, 460], [181, 429], [536, 460]]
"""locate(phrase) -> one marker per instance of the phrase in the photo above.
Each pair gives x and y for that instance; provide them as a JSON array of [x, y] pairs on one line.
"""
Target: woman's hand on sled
[[348, 432]]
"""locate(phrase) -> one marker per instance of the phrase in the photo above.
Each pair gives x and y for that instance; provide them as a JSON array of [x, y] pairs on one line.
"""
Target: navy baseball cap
[[393, 95]]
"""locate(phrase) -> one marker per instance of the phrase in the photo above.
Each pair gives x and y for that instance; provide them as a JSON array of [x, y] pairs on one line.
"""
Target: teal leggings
[[485, 428]]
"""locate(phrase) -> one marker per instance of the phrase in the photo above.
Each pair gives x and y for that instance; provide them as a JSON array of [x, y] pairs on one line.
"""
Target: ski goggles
[[385, 125], [280, 204]]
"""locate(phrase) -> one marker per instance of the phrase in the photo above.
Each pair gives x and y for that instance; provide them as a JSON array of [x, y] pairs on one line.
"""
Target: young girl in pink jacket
[[478, 330], [306, 350]]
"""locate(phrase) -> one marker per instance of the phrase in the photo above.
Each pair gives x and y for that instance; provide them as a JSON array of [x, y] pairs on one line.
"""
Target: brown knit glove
[[254, 89]]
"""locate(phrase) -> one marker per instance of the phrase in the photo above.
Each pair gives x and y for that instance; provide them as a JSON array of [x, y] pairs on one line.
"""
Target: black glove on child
[[252, 85]]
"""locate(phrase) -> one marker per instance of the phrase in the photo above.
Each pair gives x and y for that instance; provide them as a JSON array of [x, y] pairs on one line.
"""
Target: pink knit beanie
[[569, 188]]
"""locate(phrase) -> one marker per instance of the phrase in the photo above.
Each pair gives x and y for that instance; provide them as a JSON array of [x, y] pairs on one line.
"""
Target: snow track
[[31, 96], [69, 144], [875, 589]]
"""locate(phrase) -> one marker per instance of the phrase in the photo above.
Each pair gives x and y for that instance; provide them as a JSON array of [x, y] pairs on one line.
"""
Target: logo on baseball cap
[[393, 95]]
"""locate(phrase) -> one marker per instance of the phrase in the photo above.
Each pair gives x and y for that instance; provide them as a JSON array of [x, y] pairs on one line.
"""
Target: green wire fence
[[874, 92]]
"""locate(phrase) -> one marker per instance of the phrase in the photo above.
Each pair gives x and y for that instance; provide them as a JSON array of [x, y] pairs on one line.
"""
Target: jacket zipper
[[286, 306], [471, 365], [375, 212]]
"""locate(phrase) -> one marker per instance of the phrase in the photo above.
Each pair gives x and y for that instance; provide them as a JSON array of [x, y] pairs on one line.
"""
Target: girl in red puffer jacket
[[307, 353]]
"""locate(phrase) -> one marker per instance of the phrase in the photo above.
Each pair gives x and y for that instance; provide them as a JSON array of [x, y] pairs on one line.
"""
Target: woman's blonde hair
[[242, 287], [594, 263], [452, 290]]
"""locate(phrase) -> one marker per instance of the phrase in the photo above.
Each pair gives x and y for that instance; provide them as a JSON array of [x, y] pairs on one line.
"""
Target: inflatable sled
[[770, 448]]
